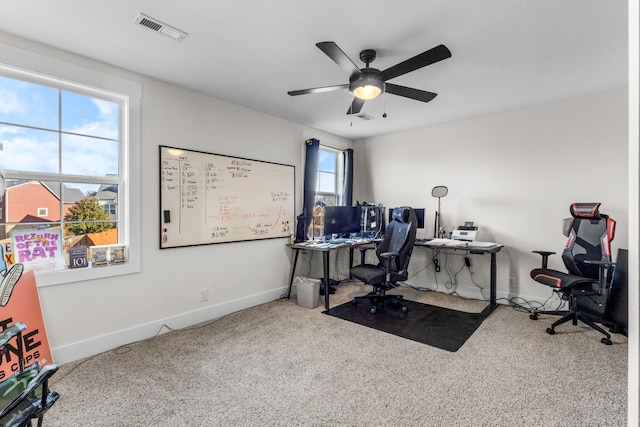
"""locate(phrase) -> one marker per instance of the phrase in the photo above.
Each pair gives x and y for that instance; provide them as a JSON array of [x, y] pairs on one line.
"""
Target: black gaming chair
[[394, 253], [587, 257]]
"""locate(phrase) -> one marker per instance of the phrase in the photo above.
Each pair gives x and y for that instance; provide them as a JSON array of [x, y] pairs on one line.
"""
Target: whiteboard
[[211, 198]]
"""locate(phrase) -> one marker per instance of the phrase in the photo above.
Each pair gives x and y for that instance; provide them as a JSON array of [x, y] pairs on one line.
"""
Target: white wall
[[89, 317], [515, 174]]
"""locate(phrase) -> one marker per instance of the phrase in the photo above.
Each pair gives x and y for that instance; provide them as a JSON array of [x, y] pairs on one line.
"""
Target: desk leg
[[492, 297], [325, 264], [350, 260], [493, 302], [293, 271]]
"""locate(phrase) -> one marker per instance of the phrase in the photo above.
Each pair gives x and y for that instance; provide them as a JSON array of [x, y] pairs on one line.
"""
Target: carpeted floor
[[280, 364]]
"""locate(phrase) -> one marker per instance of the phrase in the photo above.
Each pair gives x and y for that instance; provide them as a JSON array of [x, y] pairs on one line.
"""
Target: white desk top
[[459, 244]]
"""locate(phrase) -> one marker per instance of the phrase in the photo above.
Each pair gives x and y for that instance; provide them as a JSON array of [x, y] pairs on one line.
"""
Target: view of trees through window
[[60, 155]]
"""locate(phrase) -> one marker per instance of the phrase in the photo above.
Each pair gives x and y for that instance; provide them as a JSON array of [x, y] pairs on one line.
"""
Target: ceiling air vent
[[160, 27], [364, 116]]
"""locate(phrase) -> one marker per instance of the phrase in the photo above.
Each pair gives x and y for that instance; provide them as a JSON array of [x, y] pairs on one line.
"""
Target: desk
[[326, 249], [474, 248]]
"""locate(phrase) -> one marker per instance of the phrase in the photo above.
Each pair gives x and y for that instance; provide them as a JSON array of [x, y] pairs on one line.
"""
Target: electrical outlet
[[204, 294], [512, 282]]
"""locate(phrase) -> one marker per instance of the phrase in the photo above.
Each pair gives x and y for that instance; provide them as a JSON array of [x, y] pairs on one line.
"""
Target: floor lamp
[[439, 192]]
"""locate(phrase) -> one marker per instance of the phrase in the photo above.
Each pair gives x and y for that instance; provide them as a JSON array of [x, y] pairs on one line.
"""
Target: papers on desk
[[326, 245], [483, 245], [309, 243], [329, 244], [446, 242], [452, 243], [358, 241], [320, 245]]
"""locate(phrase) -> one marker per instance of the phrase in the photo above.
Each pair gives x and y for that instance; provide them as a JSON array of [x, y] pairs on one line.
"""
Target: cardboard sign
[[19, 302]]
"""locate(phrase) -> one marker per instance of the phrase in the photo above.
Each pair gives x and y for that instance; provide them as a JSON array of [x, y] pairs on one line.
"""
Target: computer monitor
[[341, 220], [419, 215]]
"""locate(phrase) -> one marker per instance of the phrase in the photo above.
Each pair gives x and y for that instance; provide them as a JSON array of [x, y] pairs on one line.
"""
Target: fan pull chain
[[351, 113], [384, 101]]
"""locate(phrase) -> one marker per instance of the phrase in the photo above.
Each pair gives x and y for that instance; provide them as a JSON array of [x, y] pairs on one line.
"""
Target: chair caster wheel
[[405, 309], [551, 331], [533, 316], [373, 310], [606, 341]]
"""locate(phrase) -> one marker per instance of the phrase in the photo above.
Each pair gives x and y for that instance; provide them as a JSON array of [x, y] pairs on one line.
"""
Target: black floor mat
[[428, 324]]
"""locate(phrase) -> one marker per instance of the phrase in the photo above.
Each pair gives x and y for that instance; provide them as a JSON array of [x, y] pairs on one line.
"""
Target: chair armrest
[[605, 270], [545, 256], [389, 255], [28, 401], [601, 264], [363, 250]]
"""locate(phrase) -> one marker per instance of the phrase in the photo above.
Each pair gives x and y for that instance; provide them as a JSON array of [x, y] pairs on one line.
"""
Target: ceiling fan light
[[367, 92], [366, 87]]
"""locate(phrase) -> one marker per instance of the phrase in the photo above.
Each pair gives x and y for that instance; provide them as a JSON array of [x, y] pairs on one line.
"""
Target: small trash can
[[308, 291]]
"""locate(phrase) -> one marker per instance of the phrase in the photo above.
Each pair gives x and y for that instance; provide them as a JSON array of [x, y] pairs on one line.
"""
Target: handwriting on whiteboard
[[213, 198]]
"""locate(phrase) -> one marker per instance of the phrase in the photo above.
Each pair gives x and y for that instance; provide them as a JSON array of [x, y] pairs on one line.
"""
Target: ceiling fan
[[367, 83]]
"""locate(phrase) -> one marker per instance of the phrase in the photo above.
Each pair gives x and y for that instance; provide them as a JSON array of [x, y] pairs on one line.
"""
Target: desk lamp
[[439, 192]]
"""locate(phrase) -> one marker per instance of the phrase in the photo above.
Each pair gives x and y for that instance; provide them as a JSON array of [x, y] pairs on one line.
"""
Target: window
[[110, 208], [328, 185], [328, 188], [68, 147]]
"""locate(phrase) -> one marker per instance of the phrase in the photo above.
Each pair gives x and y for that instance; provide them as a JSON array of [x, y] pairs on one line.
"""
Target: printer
[[466, 232]]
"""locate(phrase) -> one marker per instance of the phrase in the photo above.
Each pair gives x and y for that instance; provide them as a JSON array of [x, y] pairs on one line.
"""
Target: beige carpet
[[280, 364]]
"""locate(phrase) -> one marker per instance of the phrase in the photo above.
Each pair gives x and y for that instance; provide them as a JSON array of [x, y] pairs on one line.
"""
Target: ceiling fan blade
[[339, 57], [318, 89], [408, 92], [356, 106], [429, 57]]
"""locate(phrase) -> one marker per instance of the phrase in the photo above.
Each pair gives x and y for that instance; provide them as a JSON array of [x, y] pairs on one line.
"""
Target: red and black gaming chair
[[587, 257]]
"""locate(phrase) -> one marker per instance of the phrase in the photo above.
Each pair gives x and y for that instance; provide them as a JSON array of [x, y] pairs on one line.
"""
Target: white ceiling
[[506, 54]]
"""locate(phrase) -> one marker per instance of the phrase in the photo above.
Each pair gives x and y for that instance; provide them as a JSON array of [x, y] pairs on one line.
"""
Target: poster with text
[[7, 251], [38, 250], [19, 302]]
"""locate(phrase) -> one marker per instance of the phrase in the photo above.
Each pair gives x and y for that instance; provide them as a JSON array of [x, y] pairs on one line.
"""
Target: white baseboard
[[100, 344]]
